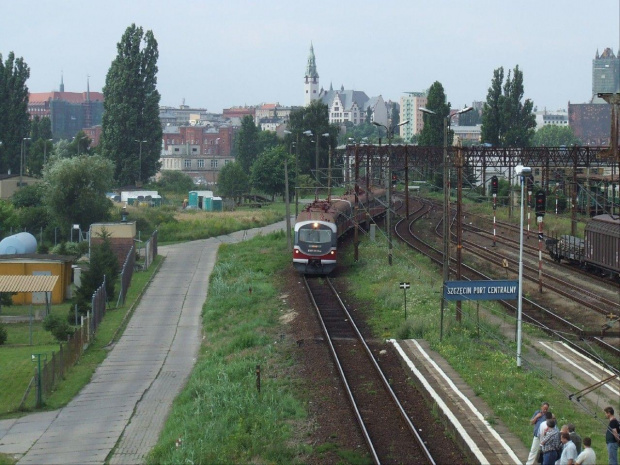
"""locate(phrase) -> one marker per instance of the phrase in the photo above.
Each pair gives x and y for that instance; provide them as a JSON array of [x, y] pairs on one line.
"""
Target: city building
[[410, 104], [344, 106], [199, 151], [551, 118], [69, 112], [590, 122], [605, 74]]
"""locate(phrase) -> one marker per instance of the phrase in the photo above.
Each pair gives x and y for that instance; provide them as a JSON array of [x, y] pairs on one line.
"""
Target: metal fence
[[150, 250], [126, 275], [98, 306], [54, 368]]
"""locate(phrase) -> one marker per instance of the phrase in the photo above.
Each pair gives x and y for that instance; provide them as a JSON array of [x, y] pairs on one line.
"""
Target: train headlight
[[333, 252], [315, 225]]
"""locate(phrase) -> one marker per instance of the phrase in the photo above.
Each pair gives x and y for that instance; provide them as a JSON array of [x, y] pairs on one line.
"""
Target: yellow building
[[39, 265]]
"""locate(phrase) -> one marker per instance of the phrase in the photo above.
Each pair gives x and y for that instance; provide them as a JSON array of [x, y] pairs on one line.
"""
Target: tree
[[315, 118], [103, 262], [14, 119], [506, 120], [432, 132], [246, 143], [519, 119], [232, 181], [175, 181], [8, 218], [131, 109], [76, 189], [555, 136], [268, 172], [491, 131]]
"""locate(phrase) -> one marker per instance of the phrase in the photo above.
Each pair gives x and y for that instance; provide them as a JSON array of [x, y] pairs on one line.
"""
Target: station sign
[[481, 290]]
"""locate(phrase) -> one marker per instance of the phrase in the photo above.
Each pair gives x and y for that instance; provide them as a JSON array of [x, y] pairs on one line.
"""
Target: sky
[[225, 53]]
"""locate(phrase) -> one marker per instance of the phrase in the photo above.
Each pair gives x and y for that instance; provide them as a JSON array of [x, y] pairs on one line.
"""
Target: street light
[[140, 161], [21, 160], [309, 134], [329, 168], [286, 202], [45, 150], [389, 132], [523, 172], [446, 201]]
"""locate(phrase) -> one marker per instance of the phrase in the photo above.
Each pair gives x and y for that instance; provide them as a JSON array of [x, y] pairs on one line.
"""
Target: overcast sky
[[218, 54]]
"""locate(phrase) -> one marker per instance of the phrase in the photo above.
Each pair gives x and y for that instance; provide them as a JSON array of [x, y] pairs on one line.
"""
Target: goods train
[[599, 251], [321, 223]]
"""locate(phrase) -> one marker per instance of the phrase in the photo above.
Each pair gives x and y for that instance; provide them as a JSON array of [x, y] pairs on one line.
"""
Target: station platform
[[462, 410]]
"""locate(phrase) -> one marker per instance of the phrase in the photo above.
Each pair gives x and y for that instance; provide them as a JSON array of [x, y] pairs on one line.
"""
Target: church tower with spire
[[311, 80]]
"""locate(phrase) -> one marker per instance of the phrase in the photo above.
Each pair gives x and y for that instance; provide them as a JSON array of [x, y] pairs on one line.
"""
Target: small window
[[188, 164]]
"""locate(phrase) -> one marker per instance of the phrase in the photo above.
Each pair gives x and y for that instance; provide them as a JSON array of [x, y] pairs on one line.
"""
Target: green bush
[[3, 334], [58, 326]]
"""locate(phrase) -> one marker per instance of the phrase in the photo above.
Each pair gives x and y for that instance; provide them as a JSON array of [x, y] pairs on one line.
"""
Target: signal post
[[541, 203]]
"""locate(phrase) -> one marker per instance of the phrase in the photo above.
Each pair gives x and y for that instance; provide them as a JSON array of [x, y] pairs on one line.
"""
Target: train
[[599, 251], [321, 223]]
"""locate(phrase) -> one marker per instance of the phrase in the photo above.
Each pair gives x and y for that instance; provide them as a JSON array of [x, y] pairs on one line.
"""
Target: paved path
[[130, 395]]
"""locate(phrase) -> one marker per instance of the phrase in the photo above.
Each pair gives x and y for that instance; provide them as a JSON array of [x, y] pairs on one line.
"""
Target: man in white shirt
[[569, 451], [587, 456]]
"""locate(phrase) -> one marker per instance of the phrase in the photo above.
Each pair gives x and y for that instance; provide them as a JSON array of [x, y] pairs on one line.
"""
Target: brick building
[[69, 112], [199, 151]]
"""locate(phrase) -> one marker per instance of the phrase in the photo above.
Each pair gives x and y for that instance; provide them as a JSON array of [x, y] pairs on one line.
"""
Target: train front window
[[315, 236]]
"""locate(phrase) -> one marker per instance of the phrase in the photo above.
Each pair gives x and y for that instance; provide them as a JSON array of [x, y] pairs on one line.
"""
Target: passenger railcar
[[321, 223], [598, 251]]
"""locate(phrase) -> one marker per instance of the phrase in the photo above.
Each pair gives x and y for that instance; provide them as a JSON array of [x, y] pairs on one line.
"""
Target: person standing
[[537, 419], [612, 436], [550, 443], [574, 437], [587, 456], [569, 451]]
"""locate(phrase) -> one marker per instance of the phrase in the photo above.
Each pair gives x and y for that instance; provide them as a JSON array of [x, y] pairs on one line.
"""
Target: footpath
[[124, 406]]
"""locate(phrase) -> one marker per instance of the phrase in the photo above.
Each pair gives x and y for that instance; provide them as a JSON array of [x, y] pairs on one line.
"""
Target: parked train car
[[599, 251], [321, 223]]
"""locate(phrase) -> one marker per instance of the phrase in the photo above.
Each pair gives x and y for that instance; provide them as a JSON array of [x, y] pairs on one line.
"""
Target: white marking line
[[442, 405], [471, 406], [570, 362]]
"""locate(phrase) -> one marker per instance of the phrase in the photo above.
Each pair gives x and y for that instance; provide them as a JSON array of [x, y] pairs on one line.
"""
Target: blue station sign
[[481, 290]]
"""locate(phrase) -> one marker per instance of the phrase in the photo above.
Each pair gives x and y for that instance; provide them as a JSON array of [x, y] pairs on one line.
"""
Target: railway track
[[390, 435], [532, 311]]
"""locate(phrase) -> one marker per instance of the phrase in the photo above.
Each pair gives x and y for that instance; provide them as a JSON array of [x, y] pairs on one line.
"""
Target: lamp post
[[286, 201], [446, 201], [389, 132], [45, 150], [21, 160], [77, 140], [329, 168], [309, 134], [140, 162], [523, 172]]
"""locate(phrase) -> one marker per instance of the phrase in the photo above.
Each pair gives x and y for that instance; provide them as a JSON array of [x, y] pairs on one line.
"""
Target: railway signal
[[541, 202], [494, 186], [404, 286]]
